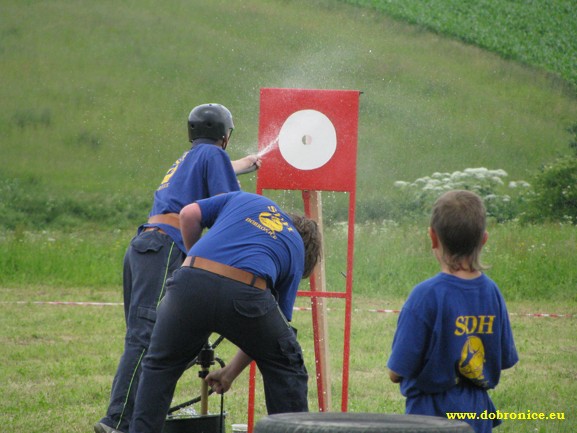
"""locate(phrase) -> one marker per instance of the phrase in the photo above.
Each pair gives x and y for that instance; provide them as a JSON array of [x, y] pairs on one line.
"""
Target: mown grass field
[[93, 105], [58, 362], [61, 323]]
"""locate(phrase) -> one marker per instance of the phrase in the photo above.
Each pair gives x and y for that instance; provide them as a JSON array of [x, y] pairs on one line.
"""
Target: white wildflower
[[500, 172], [422, 180], [458, 175]]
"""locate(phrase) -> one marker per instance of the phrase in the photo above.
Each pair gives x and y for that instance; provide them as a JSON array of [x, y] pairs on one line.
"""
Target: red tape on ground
[[372, 310], [389, 311]]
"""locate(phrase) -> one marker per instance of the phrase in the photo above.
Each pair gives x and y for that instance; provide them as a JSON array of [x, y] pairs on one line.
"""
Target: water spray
[[260, 154], [270, 146]]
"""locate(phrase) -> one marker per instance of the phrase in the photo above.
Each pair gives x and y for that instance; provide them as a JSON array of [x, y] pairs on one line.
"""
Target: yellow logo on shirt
[[473, 360], [474, 325], [171, 172], [270, 221], [473, 352]]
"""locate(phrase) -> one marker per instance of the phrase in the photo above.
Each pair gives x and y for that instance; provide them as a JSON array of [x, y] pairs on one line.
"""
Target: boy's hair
[[309, 231], [459, 220]]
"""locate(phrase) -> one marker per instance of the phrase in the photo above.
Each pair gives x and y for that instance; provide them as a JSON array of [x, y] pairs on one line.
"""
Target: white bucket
[[239, 428]]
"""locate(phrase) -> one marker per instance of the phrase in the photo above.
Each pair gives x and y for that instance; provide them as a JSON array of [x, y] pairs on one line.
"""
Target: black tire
[[346, 422]]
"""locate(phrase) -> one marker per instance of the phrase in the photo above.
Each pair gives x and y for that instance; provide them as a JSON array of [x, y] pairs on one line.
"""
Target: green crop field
[[94, 98], [538, 33]]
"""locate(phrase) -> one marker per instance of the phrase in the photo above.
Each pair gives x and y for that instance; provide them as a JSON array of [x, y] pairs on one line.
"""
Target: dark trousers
[[149, 260], [198, 303]]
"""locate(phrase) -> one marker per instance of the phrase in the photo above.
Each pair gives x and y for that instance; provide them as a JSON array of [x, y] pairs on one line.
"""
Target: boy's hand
[[395, 378], [248, 164], [218, 381]]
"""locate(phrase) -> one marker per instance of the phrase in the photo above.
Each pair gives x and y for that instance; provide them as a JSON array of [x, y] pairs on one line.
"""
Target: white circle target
[[307, 140]]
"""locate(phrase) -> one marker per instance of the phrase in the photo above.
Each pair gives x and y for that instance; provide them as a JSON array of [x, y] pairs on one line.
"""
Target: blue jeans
[[198, 303], [149, 260]]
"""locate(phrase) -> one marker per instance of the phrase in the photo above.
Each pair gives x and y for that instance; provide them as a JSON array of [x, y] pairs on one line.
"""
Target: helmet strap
[[225, 142]]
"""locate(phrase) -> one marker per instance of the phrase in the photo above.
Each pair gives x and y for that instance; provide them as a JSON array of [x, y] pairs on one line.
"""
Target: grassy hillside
[[95, 95]]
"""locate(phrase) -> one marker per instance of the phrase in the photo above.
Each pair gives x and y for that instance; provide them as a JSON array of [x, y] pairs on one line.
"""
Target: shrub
[[555, 192]]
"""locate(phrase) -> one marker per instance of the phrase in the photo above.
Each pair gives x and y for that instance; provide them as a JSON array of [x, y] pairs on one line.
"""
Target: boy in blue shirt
[[157, 250], [453, 335], [239, 280]]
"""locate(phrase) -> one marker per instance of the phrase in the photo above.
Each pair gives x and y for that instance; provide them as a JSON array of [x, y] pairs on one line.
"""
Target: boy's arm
[[247, 164], [395, 378], [221, 380], [190, 224]]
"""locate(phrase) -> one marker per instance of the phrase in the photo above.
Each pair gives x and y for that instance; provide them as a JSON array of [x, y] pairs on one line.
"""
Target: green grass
[[529, 263], [60, 358], [58, 362], [94, 99], [63, 259], [533, 263]]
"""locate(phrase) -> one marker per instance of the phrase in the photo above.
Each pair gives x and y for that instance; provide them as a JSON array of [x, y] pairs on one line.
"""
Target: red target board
[[308, 139]]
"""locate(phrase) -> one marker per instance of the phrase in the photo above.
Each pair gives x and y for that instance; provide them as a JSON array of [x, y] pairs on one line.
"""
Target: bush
[[555, 192]]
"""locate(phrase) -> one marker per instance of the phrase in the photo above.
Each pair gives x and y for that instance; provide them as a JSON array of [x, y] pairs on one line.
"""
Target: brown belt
[[228, 272], [171, 219], [153, 229]]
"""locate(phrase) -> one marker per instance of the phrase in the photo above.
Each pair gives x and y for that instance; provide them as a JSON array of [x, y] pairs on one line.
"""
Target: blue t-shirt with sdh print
[[453, 338], [250, 232], [203, 171]]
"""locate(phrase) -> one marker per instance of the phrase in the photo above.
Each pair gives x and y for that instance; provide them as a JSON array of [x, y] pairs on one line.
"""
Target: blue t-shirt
[[249, 231], [453, 338], [203, 171]]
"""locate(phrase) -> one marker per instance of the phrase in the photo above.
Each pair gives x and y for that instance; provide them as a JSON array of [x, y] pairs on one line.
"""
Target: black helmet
[[212, 121]]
